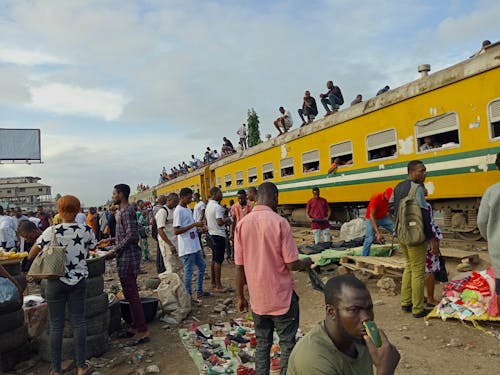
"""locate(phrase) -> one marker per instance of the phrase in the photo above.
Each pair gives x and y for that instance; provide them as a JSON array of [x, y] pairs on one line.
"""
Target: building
[[25, 192]]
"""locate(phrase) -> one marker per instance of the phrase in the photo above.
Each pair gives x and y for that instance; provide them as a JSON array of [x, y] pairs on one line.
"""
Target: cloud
[[27, 57], [66, 99]]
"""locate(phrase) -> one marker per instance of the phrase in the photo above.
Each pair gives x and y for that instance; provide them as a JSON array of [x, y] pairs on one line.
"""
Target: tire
[[96, 305], [96, 267], [97, 345], [13, 269], [21, 280], [11, 321], [13, 338], [9, 359], [95, 286], [95, 325], [10, 306]]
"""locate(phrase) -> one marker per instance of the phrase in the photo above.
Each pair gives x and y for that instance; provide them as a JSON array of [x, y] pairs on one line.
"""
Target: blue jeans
[[189, 261], [385, 222], [58, 293], [331, 99]]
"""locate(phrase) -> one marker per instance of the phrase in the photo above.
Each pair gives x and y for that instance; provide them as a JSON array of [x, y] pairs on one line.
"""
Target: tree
[[253, 128]]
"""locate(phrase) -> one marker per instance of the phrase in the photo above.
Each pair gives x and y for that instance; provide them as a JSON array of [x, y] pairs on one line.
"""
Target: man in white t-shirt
[[284, 121], [189, 246], [199, 213], [7, 230], [216, 222], [166, 235], [242, 133]]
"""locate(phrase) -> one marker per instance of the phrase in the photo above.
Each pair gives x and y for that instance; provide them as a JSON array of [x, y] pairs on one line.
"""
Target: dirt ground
[[433, 347]]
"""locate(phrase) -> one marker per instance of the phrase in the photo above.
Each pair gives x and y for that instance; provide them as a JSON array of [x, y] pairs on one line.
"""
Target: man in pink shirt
[[265, 253]]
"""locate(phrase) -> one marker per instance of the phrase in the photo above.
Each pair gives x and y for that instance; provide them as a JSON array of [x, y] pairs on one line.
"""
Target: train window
[[381, 145], [494, 115], [252, 175], [228, 180], [341, 154], [239, 178], [286, 166], [219, 182], [437, 132], [310, 161], [267, 171]]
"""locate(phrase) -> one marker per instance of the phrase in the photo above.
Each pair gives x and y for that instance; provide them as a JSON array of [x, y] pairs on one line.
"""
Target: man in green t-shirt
[[339, 344]]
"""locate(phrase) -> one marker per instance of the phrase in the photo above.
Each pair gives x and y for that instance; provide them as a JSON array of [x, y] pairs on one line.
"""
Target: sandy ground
[[435, 347]]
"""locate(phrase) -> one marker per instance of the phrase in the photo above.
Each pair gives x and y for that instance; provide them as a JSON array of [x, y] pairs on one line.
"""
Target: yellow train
[[456, 110]]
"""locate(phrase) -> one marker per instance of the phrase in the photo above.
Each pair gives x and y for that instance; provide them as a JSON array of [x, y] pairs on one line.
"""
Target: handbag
[[50, 261], [442, 274]]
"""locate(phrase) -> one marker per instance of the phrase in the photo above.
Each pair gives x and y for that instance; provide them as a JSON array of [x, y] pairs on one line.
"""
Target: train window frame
[[228, 182], [285, 164], [219, 182], [384, 145], [239, 176], [313, 160], [419, 137], [342, 154], [493, 121], [252, 175], [268, 171]]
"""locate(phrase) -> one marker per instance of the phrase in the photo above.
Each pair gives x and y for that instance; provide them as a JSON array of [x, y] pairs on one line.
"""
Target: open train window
[[252, 175], [341, 154], [286, 166], [437, 132], [267, 171], [494, 116], [310, 161], [239, 178], [219, 182], [381, 145], [228, 180]]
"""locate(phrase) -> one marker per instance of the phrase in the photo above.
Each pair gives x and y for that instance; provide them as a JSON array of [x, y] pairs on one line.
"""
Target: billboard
[[20, 144]]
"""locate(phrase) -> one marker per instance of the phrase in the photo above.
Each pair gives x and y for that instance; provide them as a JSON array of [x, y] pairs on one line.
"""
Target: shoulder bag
[[50, 261]]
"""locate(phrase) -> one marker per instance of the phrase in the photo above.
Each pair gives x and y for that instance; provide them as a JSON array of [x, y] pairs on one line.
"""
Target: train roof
[[490, 59]]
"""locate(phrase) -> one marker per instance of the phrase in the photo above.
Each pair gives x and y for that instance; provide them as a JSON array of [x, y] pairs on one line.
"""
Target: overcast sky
[[121, 88]]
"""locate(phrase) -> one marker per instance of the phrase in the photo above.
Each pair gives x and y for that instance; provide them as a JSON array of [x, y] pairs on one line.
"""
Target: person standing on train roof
[[377, 216], [216, 222], [333, 98], [284, 122], [309, 109], [242, 133], [252, 195], [318, 211]]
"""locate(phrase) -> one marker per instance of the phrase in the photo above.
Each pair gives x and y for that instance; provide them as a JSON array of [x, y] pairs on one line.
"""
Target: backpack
[[154, 226], [409, 221]]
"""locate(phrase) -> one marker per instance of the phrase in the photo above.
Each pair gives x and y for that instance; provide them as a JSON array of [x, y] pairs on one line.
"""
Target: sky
[[121, 88]]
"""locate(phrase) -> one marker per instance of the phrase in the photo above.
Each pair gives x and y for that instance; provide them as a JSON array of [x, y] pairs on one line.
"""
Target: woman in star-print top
[[70, 288]]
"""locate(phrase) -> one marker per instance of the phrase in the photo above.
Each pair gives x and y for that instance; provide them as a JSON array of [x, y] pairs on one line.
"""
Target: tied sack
[[173, 296], [409, 221], [50, 263]]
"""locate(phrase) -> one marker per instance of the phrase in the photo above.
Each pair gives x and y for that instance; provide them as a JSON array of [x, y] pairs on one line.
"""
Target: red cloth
[[380, 204], [479, 284], [317, 208]]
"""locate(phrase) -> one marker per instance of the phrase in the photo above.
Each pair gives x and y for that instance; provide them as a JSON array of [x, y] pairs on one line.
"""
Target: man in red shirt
[[376, 216], [318, 211], [239, 210]]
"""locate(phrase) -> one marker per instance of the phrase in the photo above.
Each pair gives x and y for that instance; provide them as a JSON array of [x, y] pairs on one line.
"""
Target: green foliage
[[253, 128]]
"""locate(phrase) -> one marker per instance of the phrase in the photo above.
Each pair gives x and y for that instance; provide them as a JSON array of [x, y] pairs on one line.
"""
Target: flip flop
[[138, 340]]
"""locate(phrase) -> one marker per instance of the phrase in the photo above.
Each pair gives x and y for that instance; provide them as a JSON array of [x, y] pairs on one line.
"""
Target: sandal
[[134, 341], [89, 367], [203, 294]]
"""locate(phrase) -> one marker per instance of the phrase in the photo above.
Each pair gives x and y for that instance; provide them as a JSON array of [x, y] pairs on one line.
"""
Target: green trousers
[[412, 287]]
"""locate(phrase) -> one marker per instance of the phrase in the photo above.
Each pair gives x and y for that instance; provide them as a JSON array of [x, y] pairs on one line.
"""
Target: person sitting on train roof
[[357, 99], [333, 98], [429, 144], [383, 90], [308, 109], [227, 147], [486, 43], [284, 121]]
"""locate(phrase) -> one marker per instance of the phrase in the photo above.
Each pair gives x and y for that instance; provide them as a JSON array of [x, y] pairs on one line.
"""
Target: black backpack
[[154, 226]]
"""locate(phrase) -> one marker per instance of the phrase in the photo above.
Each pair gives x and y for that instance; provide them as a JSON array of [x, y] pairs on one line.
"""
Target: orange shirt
[[263, 244], [91, 222], [240, 212]]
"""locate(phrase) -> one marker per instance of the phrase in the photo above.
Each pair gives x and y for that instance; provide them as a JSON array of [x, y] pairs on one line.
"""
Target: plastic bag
[[352, 229], [173, 296], [8, 291]]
